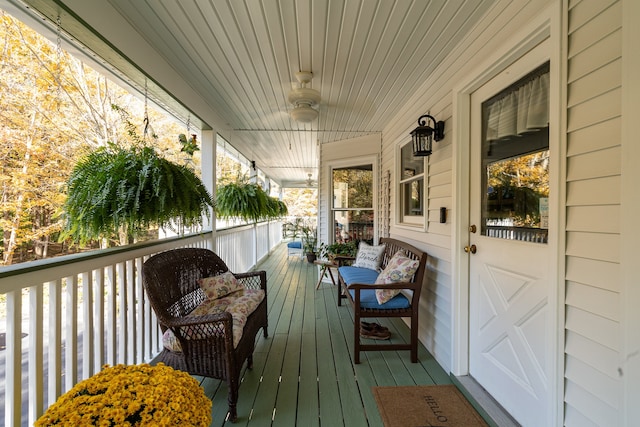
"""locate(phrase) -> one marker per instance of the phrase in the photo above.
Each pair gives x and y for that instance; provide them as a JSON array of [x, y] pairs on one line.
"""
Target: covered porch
[[230, 70], [304, 372]]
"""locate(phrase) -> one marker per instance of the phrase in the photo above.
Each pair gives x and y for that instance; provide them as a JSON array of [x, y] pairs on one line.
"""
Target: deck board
[[308, 401], [303, 372]]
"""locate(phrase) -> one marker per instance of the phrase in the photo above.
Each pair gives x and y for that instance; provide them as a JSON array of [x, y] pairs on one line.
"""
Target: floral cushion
[[240, 304], [219, 286], [369, 256], [399, 269]]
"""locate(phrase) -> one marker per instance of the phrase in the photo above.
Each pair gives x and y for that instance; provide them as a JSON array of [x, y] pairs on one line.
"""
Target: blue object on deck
[[358, 275], [368, 296], [294, 248], [368, 300]]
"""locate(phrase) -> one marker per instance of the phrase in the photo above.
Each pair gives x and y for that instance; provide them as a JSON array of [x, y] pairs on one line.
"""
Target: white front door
[[509, 257]]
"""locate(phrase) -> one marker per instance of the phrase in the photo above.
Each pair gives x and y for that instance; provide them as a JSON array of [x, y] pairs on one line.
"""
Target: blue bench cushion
[[358, 275], [368, 296], [294, 245], [368, 300]]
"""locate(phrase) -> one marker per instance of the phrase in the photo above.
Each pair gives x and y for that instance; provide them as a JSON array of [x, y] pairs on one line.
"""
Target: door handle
[[473, 249]]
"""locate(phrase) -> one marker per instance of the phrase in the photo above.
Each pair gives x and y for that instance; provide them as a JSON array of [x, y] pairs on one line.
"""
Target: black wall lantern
[[424, 135]]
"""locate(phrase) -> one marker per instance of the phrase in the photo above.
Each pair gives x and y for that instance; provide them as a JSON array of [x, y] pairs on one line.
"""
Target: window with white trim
[[411, 192], [352, 206]]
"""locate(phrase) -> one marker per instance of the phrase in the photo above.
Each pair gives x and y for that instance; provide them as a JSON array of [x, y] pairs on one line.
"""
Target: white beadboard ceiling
[[240, 56]]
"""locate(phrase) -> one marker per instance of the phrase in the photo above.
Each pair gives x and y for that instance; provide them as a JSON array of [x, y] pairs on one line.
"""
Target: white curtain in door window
[[524, 109]]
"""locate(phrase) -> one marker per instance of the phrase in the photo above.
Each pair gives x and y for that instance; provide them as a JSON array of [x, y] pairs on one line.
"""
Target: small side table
[[325, 267]]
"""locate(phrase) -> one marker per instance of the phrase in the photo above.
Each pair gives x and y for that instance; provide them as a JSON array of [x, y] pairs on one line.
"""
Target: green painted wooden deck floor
[[303, 374]]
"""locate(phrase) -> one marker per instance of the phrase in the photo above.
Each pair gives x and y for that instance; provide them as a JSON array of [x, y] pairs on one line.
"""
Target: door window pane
[[515, 161]]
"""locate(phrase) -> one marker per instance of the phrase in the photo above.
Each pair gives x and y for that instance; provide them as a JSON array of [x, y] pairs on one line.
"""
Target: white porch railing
[[66, 317]]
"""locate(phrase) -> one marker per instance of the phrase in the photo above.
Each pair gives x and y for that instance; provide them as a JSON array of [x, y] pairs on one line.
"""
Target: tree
[[301, 202], [55, 110], [31, 175]]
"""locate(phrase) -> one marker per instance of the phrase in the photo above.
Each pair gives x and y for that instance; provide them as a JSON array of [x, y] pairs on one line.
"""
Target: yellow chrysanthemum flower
[[133, 395]]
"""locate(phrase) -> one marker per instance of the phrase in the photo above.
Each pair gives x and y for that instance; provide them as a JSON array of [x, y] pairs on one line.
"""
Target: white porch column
[[629, 364], [208, 167]]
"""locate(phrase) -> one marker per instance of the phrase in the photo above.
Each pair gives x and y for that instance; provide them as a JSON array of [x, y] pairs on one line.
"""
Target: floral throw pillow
[[240, 305], [400, 268], [369, 256], [219, 286]]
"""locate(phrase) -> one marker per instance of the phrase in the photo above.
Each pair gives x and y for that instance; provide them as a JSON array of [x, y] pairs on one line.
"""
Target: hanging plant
[[131, 189], [189, 146], [123, 191], [247, 201], [278, 208]]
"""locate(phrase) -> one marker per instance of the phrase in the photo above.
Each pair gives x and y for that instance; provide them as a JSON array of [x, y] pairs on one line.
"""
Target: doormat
[[426, 406]]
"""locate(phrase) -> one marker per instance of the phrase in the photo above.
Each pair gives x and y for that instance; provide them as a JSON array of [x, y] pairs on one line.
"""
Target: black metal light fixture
[[424, 135]]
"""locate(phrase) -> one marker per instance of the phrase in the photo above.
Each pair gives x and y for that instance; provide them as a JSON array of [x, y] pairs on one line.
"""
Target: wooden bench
[[361, 295]]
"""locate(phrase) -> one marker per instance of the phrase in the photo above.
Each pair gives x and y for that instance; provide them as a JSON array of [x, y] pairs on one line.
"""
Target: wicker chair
[[170, 281]]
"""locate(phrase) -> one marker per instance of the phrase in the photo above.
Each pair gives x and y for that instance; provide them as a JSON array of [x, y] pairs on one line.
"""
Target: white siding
[[593, 164], [592, 196], [501, 23]]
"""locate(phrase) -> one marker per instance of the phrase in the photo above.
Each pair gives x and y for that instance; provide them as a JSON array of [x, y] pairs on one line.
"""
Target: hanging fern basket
[[248, 202], [131, 189]]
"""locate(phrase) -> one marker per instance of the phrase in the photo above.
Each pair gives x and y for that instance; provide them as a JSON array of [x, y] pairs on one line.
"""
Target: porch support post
[[208, 167], [13, 395], [629, 363]]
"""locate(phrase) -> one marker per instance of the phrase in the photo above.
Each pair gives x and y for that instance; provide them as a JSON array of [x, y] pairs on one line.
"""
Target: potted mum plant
[[133, 395]]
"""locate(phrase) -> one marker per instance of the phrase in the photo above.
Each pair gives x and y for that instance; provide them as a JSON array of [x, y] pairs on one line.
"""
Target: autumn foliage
[[55, 109]]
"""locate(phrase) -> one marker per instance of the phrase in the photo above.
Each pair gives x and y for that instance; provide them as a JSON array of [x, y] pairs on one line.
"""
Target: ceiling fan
[[306, 183], [310, 182], [303, 98]]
